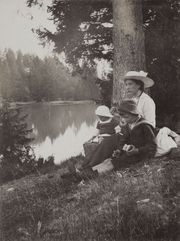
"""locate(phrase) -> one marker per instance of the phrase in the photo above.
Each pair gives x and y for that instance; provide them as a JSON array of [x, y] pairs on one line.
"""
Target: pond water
[[60, 130]]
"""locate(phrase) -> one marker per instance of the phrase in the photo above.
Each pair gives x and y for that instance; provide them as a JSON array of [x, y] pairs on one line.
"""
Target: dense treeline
[[25, 77], [84, 30]]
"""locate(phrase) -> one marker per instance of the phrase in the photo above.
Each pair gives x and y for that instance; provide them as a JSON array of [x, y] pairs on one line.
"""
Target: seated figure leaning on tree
[[135, 83], [135, 143]]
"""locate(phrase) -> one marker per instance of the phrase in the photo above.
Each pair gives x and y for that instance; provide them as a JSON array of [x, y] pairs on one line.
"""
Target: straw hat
[[103, 110], [141, 75]]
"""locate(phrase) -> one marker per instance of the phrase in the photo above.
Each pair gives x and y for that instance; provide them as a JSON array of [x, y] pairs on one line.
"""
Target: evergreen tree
[[84, 31], [15, 133], [23, 92], [17, 156], [5, 79]]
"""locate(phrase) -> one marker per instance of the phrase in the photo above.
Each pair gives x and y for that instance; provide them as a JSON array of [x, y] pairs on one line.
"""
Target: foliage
[[15, 134], [84, 32], [105, 87], [27, 77], [162, 36], [15, 138], [139, 203], [17, 157]]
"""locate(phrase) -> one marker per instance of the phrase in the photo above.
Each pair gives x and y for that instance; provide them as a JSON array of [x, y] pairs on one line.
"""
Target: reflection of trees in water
[[52, 121]]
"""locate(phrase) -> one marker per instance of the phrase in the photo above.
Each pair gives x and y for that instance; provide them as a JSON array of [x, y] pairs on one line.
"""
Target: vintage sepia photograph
[[89, 120]]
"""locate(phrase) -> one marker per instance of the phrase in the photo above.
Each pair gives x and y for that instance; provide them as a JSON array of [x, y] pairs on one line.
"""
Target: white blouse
[[147, 108]]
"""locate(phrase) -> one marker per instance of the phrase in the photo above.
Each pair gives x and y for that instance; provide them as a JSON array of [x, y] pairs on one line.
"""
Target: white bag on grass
[[164, 142]]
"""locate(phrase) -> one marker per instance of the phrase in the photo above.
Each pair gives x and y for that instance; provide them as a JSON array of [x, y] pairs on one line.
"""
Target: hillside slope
[[139, 203]]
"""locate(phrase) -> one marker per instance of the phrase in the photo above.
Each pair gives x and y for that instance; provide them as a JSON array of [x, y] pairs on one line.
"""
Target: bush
[[17, 156]]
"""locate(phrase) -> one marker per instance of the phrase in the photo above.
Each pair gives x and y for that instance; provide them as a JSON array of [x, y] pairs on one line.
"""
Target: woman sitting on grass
[[135, 143], [135, 82]]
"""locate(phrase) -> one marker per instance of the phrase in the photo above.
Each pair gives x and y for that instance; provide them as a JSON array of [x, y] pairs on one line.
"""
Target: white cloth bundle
[[164, 142]]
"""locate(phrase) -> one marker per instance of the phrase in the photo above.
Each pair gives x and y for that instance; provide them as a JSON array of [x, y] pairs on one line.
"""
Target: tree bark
[[129, 44]]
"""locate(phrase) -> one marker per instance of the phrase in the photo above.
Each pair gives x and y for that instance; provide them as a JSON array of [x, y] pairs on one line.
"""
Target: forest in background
[[84, 31], [25, 77]]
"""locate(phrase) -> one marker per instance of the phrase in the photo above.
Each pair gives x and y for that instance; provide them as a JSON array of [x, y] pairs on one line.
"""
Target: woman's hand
[[131, 150], [122, 122], [113, 110], [117, 153], [127, 147], [100, 139]]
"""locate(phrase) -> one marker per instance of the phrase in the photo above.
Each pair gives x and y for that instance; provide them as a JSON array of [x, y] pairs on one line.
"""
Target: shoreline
[[56, 102]]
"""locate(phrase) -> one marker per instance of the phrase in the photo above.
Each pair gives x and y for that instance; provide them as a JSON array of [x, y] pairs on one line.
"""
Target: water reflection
[[61, 129]]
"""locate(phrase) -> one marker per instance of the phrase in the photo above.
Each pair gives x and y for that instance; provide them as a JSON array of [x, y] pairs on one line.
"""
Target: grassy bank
[[140, 203]]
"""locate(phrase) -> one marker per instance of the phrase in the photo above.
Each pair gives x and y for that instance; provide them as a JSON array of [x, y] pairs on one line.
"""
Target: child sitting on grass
[[106, 126]]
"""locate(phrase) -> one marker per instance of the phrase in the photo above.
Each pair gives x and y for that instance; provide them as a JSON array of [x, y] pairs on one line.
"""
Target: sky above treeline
[[16, 23]]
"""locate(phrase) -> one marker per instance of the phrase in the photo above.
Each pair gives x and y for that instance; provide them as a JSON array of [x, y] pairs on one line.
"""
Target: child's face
[[128, 118], [103, 118]]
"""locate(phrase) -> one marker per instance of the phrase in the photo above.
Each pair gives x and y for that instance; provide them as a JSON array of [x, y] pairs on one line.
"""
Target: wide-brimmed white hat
[[103, 110], [141, 75]]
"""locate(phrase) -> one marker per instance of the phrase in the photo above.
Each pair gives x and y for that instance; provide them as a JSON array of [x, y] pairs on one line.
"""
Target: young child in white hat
[[106, 124]]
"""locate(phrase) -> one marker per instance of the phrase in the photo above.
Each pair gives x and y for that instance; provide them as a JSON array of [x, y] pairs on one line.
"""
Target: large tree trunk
[[129, 46]]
